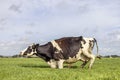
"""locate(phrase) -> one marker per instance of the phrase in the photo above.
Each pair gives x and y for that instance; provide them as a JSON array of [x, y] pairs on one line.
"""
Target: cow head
[[29, 51]]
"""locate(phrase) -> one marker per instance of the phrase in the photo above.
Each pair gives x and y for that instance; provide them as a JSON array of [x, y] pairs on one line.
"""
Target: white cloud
[[44, 20], [13, 46], [118, 37], [109, 51]]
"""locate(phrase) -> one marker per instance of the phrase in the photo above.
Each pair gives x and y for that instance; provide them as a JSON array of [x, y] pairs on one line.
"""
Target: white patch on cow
[[55, 64], [60, 63], [86, 45], [52, 63], [79, 54], [22, 52], [55, 44]]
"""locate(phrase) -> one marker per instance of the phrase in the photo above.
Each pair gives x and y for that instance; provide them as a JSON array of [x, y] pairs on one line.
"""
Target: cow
[[66, 49]]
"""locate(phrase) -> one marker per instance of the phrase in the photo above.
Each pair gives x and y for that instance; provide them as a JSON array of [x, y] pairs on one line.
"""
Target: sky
[[23, 22]]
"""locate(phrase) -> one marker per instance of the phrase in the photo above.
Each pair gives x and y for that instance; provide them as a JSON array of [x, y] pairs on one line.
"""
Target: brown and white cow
[[67, 49]]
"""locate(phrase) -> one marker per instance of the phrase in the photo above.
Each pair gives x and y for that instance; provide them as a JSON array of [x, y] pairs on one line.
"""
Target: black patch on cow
[[91, 44], [45, 51], [70, 46], [84, 42], [43, 56]]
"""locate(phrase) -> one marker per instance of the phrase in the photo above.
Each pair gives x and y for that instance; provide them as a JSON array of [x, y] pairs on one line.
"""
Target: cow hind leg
[[83, 64], [84, 59], [92, 59]]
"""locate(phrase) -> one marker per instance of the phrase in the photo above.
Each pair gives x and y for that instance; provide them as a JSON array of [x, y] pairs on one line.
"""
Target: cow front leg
[[60, 64], [52, 63]]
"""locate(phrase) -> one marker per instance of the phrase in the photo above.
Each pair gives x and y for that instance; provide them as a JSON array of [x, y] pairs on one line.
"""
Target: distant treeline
[[111, 56], [18, 56]]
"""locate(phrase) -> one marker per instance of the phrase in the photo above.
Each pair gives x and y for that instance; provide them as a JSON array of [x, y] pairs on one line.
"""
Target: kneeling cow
[[67, 49]]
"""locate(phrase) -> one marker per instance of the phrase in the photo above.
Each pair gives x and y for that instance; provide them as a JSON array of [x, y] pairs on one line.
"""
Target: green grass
[[37, 69]]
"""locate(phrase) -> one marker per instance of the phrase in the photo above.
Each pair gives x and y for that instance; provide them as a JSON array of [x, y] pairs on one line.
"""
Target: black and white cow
[[67, 49]]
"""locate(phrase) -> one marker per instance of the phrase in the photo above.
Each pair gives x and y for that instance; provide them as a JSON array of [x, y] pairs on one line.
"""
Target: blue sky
[[23, 22]]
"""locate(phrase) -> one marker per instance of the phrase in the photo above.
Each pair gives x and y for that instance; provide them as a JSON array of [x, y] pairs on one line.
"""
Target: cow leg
[[84, 59], [83, 64], [91, 57], [52, 63], [91, 61], [60, 64]]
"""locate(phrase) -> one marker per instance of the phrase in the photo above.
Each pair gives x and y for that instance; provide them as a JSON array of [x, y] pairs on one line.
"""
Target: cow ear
[[37, 45]]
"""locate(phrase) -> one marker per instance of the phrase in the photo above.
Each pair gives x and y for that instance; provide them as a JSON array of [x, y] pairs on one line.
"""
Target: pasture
[[37, 69]]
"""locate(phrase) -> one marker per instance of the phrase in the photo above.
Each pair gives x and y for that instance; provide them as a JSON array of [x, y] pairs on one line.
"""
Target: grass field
[[37, 69]]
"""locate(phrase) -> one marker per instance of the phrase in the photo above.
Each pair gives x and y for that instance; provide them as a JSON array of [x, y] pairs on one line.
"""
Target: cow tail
[[98, 56]]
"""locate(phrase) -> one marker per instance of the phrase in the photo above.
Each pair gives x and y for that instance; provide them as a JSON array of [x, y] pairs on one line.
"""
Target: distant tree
[[107, 56], [111, 56], [15, 56], [1, 56], [114, 56]]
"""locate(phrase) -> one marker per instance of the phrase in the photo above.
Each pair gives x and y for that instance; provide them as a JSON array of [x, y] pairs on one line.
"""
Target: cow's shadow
[[73, 67], [45, 66], [35, 66]]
